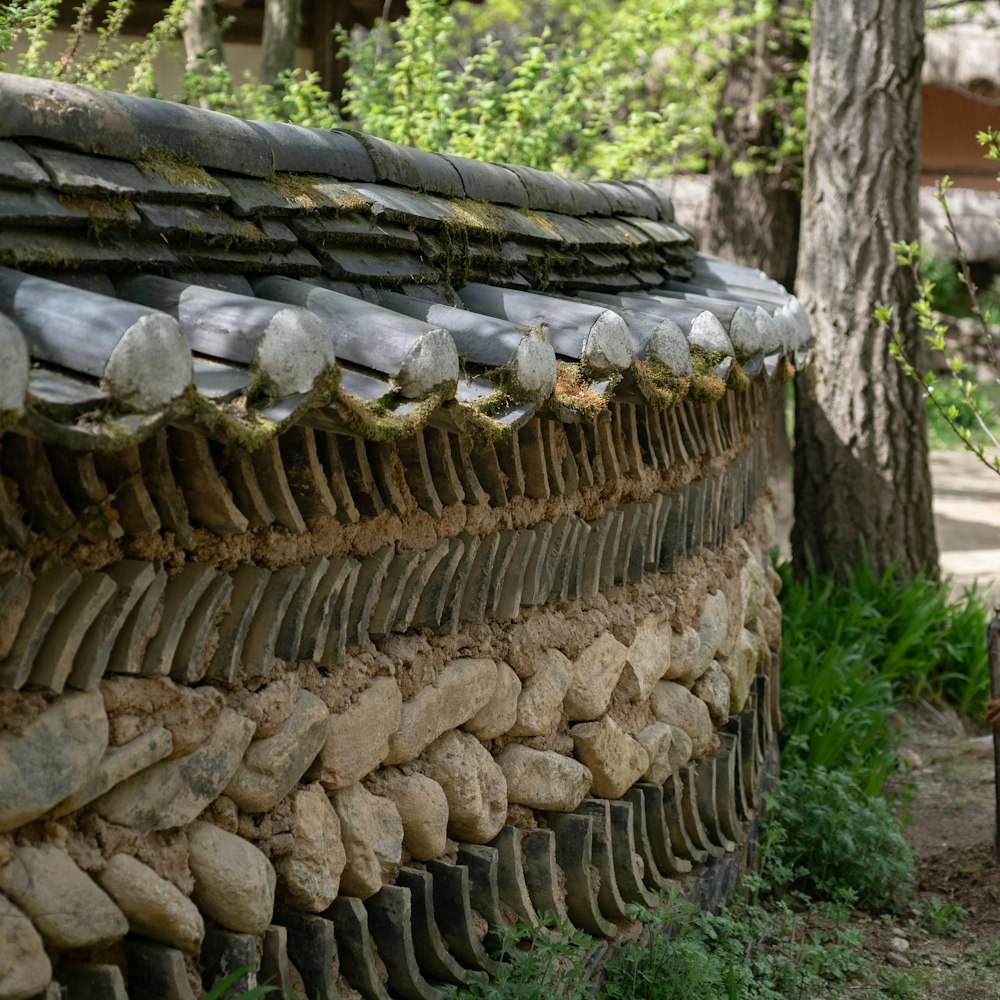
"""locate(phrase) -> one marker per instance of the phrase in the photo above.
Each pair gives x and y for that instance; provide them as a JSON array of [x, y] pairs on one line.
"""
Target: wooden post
[[993, 651]]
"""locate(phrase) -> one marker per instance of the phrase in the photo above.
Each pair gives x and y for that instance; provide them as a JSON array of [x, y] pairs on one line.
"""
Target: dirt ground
[[950, 806], [950, 779], [967, 520]]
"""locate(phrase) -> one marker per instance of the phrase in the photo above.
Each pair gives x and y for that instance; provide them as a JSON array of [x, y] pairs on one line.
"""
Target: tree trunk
[[201, 35], [754, 218], [282, 25], [202, 42], [862, 482]]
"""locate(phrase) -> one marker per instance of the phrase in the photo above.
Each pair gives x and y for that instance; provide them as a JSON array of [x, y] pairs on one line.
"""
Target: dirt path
[[950, 802], [950, 806], [967, 519]]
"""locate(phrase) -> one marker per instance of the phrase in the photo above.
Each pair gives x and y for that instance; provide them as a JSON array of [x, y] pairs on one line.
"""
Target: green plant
[[536, 962], [988, 956], [941, 918], [864, 642], [840, 844], [776, 944], [29, 25], [674, 964], [589, 95], [219, 990], [964, 415], [949, 398], [761, 948], [297, 96]]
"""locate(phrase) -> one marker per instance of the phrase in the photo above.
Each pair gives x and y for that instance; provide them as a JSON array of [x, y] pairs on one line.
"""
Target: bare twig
[[963, 263], [993, 648]]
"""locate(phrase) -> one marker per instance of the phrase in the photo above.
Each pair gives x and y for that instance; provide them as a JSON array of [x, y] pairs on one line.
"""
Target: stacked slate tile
[[164, 263]]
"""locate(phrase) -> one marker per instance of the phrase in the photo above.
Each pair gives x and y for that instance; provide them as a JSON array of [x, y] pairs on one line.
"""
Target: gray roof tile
[[355, 227], [411, 168], [76, 173], [211, 139], [70, 396], [550, 192], [79, 117], [252, 196], [193, 222], [39, 207], [21, 246], [663, 207], [316, 151], [17, 169], [490, 182], [623, 199], [358, 264], [297, 261], [98, 188], [397, 205], [217, 381]]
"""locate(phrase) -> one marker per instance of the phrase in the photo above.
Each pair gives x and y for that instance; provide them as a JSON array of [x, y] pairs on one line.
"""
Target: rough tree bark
[[861, 473], [754, 218], [282, 25], [202, 37]]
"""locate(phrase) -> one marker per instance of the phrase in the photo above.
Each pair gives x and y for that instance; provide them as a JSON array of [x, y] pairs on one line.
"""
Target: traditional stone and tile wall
[[214, 747], [385, 554]]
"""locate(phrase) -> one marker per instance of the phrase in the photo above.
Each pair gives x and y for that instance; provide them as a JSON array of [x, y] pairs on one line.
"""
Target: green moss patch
[[659, 385], [176, 169]]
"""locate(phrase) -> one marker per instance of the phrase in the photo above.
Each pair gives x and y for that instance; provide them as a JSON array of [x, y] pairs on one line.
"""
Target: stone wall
[[334, 707]]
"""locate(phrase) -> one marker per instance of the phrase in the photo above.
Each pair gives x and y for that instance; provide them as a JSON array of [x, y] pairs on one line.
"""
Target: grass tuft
[[859, 646]]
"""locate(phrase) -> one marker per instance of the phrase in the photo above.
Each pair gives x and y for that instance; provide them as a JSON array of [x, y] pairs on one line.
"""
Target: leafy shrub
[[749, 950], [29, 24], [942, 919], [595, 94], [536, 963], [949, 399], [586, 88], [839, 844], [961, 410], [675, 964], [860, 644], [297, 96]]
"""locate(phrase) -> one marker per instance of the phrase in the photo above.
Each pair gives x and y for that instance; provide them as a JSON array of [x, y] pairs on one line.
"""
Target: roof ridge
[[131, 127]]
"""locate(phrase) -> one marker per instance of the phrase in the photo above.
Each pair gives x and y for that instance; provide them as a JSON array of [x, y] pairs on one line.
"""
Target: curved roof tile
[[162, 262]]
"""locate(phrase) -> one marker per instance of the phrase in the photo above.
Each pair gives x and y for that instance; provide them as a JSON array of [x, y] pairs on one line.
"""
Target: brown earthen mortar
[[92, 840], [18, 709], [135, 705], [274, 547], [268, 706]]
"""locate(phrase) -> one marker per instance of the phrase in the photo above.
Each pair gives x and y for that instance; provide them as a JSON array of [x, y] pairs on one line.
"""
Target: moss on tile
[[479, 215], [240, 422], [737, 379], [659, 385], [299, 189], [101, 212], [574, 392], [176, 169], [376, 421], [706, 388]]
